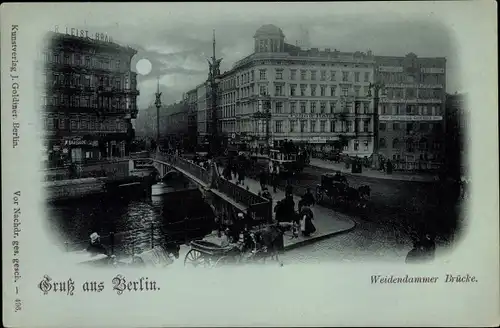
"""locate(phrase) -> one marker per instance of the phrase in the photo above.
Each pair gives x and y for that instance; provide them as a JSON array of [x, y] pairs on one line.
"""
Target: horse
[[269, 241], [358, 196]]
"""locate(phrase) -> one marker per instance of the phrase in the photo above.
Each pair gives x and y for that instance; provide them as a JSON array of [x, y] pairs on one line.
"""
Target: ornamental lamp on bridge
[[214, 80], [158, 105]]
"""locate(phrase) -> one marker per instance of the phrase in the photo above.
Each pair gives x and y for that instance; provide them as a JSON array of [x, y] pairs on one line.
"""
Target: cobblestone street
[[368, 241]]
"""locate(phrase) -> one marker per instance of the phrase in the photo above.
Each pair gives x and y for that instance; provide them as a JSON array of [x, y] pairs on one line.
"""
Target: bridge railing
[[259, 207], [184, 164]]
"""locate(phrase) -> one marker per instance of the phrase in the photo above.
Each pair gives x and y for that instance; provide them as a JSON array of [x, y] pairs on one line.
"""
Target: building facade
[[411, 112], [457, 136], [192, 103], [89, 100], [203, 113], [174, 123], [315, 97]]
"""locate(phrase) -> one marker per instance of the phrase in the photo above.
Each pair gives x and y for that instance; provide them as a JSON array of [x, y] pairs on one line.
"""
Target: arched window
[[395, 143], [382, 142]]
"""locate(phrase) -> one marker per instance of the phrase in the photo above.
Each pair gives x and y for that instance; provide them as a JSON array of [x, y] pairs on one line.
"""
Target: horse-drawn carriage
[[255, 247], [336, 189]]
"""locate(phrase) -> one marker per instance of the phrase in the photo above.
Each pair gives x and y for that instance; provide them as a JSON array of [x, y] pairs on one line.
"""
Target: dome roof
[[269, 29]]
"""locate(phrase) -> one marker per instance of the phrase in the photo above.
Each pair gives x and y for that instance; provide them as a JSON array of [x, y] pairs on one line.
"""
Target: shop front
[[80, 150]]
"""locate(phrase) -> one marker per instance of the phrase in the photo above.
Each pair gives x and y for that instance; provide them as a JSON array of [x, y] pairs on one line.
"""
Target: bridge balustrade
[[181, 163], [237, 193], [259, 207]]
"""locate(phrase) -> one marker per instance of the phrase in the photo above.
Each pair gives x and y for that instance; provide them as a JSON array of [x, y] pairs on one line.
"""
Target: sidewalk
[[367, 172], [327, 221]]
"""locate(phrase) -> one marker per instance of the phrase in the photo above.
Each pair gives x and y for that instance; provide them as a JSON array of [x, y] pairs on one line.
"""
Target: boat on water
[[161, 188], [156, 257]]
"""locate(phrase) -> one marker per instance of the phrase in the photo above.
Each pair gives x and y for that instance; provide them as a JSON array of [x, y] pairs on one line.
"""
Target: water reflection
[[137, 219]]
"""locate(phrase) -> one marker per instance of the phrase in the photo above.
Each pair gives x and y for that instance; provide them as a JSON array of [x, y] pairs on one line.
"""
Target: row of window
[[85, 60], [410, 145], [303, 107], [403, 109], [228, 111], [323, 90], [390, 77], [85, 125], [312, 90], [313, 75], [86, 80], [411, 127], [303, 90], [89, 101], [228, 126], [311, 126], [409, 93]]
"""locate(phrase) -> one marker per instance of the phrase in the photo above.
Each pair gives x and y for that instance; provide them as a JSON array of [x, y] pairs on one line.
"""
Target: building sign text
[[311, 116], [414, 85], [412, 101], [391, 69], [80, 142], [85, 34], [432, 70], [409, 118]]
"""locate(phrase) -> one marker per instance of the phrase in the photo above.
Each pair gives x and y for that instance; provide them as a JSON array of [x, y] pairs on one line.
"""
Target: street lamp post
[[158, 105], [265, 115], [379, 90]]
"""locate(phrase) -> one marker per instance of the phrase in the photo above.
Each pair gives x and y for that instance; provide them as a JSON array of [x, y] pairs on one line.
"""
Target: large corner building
[[90, 98], [320, 97]]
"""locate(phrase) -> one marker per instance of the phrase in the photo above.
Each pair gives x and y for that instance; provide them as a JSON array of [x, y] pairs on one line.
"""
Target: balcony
[[364, 134], [89, 110], [101, 90]]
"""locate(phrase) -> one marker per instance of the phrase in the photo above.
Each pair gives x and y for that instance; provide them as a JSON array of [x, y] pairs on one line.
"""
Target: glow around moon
[[143, 66]]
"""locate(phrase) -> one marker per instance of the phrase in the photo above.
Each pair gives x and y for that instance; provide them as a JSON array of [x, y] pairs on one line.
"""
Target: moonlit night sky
[[178, 41]]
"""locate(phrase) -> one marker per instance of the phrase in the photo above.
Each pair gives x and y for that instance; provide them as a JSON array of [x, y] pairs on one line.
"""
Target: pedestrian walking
[[388, 167], [275, 175], [263, 179], [95, 247], [266, 194], [227, 173], [306, 217], [241, 175], [308, 200]]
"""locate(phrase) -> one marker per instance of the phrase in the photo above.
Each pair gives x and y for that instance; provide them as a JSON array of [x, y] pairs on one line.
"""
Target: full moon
[[143, 66]]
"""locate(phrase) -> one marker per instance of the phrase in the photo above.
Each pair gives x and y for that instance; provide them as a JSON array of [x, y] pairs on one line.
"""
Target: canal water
[[131, 220]]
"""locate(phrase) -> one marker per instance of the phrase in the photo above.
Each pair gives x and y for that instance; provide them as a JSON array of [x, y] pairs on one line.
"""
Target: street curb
[[319, 238], [372, 177]]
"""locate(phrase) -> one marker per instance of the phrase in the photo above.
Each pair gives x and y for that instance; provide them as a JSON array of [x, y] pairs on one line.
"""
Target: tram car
[[289, 158]]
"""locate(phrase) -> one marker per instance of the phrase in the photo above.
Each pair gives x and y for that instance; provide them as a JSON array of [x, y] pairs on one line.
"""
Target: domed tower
[[269, 38]]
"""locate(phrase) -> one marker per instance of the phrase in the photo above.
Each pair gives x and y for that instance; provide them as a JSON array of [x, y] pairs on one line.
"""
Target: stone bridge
[[226, 198]]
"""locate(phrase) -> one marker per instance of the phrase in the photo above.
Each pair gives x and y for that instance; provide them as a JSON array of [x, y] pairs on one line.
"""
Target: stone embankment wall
[[75, 188]]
